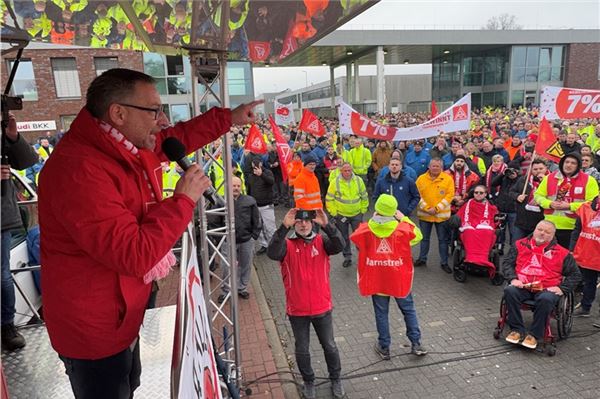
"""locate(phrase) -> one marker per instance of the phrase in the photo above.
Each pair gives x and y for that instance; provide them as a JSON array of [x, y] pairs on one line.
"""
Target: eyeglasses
[[157, 111], [478, 192]]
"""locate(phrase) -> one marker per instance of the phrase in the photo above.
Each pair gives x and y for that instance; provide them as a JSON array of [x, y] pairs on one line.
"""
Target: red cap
[[532, 137]]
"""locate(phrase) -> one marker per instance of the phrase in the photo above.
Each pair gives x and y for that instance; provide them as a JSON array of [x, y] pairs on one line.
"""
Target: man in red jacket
[[304, 261], [107, 232]]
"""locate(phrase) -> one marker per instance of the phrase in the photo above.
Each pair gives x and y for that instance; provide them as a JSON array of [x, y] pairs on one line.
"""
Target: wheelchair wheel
[[497, 332], [551, 350], [498, 279], [457, 258], [460, 275], [564, 315]]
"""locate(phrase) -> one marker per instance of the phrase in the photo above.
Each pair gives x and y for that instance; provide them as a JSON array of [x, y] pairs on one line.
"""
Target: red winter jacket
[[102, 231], [305, 269]]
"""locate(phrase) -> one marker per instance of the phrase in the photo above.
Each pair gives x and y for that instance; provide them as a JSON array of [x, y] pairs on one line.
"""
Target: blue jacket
[[408, 171], [320, 153], [419, 162], [448, 160], [403, 189]]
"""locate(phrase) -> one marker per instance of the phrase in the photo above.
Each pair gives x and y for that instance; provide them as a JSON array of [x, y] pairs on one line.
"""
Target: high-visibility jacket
[[170, 178], [43, 153], [435, 193], [583, 189], [293, 170], [360, 158], [587, 249], [307, 193], [347, 197], [480, 164], [219, 179]]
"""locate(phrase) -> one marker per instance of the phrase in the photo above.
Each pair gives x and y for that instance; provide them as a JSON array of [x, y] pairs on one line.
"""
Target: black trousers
[[114, 377]]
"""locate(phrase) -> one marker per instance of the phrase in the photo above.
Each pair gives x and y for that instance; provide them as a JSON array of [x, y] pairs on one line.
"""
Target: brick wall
[[583, 61], [48, 106]]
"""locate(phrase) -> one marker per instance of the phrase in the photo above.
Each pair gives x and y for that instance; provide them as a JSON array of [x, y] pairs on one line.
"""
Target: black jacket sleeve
[[332, 239], [277, 247], [497, 181], [21, 155], [517, 188], [257, 223], [575, 234], [509, 264], [572, 274], [267, 176]]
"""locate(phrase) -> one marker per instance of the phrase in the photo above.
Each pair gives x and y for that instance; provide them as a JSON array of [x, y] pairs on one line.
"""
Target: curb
[[290, 391]]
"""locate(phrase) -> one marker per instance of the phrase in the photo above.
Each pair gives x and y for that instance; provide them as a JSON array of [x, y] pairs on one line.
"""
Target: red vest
[[541, 264], [384, 264], [587, 249], [576, 192], [305, 272]]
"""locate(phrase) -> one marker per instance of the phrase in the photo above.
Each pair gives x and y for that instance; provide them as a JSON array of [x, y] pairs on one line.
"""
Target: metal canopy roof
[[261, 31], [421, 46]]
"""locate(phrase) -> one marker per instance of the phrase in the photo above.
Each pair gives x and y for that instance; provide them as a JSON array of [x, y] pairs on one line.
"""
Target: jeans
[[8, 287], [323, 326], [545, 301], [115, 376], [344, 223], [245, 255], [381, 304], [590, 279], [267, 213], [441, 229]]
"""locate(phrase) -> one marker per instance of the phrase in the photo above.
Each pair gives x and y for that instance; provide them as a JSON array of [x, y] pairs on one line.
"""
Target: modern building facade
[[53, 81]]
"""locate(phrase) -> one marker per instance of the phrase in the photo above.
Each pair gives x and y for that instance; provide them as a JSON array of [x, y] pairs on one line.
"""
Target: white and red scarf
[[494, 170]]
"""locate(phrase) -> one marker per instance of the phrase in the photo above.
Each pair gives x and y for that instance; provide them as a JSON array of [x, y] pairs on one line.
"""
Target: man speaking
[[107, 233]]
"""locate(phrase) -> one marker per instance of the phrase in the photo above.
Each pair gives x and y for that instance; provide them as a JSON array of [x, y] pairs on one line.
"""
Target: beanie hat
[[386, 205], [310, 158]]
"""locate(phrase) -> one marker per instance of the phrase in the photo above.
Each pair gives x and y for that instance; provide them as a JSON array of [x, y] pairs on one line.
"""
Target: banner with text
[[199, 378], [567, 103], [284, 113], [454, 119]]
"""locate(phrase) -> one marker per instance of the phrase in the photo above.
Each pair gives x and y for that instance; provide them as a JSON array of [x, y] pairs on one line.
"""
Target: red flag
[[283, 149], [434, 110], [311, 124], [259, 51], [494, 133], [255, 142], [547, 144]]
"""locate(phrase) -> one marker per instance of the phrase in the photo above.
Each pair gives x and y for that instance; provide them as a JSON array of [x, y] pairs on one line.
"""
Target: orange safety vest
[[307, 193], [587, 249], [293, 169]]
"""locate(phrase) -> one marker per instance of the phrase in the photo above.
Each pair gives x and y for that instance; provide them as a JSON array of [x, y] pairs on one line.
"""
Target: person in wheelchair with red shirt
[[541, 270]]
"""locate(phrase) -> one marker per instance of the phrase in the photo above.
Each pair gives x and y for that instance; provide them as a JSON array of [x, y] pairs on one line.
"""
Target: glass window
[[66, 77], [545, 74], [488, 99], [66, 120], [517, 98], [531, 74], [178, 85], [103, 64], [174, 65], [518, 75], [24, 83], [533, 55], [239, 76], [518, 56], [557, 56], [500, 98], [161, 86], [545, 53], [557, 74], [472, 79], [476, 100], [154, 65], [180, 112], [166, 111]]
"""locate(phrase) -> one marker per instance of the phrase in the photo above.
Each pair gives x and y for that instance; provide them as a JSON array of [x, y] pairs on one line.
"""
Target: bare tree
[[503, 22]]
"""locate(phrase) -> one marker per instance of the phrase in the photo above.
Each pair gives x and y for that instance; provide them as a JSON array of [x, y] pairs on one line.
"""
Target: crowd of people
[[368, 200]]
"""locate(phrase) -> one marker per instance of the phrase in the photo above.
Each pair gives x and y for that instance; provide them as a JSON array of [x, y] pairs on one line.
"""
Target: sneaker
[[581, 312], [261, 250], [529, 342], [11, 339], [419, 262], [221, 298], [384, 353], [338, 389], [446, 268], [308, 390], [514, 337], [418, 350], [347, 263], [244, 294]]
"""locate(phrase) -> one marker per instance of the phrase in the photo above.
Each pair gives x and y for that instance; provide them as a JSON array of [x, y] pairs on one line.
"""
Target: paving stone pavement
[[457, 321]]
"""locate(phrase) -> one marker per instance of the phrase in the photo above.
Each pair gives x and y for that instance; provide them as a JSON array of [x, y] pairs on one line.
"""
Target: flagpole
[[528, 173]]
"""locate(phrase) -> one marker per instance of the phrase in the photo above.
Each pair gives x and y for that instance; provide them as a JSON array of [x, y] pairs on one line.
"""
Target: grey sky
[[429, 14]]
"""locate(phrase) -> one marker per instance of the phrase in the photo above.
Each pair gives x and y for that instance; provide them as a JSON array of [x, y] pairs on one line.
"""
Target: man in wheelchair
[[541, 270]]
